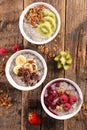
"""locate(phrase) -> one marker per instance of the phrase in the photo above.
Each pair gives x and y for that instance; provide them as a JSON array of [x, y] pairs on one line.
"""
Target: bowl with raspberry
[[61, 98]]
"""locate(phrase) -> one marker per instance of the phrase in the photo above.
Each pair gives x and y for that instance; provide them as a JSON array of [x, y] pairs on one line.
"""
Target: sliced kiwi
[[49, 13], [59, 65], [68, 57], [64, 60], [63, 53], [66, 67], [51, 21], [44, 29], [57, 58], [69, 61]]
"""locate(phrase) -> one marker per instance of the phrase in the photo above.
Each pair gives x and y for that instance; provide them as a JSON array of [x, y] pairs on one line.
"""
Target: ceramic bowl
[[13, 80], [69, 115], [22, 19]]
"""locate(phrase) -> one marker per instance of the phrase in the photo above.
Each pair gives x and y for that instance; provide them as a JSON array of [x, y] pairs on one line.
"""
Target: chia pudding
[[26, 69], [61, 98], [40, 23]]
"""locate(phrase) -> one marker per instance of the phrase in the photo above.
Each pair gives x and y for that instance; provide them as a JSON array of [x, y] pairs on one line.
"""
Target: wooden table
[[72, 38]]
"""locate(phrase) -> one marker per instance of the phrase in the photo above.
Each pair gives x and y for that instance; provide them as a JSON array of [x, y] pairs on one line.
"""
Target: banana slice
[[31, 61], [29, 66], [34, 66], [16, 69], [20, 60]]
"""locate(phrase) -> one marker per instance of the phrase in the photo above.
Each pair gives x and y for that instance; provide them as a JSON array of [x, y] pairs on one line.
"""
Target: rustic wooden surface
[[73, 39]]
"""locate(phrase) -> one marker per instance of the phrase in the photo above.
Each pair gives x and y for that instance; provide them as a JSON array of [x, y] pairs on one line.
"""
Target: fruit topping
[[26, 69], [43, 19], [72, 99], [60, 99], [20, 60], [67, 106], [64, 99]]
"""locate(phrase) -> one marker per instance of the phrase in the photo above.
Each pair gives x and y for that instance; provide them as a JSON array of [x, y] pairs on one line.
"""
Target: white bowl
[[8, 73], [22, 17], [64, 116]]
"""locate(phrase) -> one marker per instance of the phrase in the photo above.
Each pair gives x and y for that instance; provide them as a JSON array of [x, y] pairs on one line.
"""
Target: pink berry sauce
[[61, 98]]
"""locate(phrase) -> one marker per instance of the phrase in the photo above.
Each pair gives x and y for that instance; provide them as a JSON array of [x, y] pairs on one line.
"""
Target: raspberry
[[72, 99], [64, 99], [3, 51], [66, 106], [16, 48]]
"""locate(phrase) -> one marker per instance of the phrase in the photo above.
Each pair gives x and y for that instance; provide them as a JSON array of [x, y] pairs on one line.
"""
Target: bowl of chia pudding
[[61, 98], [26, 69], [39, 23]]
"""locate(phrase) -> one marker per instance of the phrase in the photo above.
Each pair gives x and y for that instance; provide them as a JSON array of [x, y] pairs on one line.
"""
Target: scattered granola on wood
[[83, 111], [5, 100]]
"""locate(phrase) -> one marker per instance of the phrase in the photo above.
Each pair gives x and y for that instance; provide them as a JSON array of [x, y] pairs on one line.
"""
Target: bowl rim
[[22, 17], [65, 116], [13, 83]]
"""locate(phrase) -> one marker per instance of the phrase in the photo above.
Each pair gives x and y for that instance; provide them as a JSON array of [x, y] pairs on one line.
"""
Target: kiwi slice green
[[57, 58], [44, 29], [63, 53], [64, 60], [51, 21], [66, 67], [59, 65], [69, 61], [49, 13]]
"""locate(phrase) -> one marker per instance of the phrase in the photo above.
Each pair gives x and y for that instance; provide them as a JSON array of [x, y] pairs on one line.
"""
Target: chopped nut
[[55, 40], [59, 36], [5, 100], [54, 48], [50, 55], [46, 50], [59, 108], [68, 92], [61, 90], [83, 107]]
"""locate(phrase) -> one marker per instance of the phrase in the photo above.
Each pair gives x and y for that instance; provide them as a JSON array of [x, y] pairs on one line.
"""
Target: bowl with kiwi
[[39, 23]]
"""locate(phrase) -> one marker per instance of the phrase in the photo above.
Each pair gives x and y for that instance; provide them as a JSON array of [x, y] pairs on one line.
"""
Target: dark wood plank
[[9, 35], [34, 96], [9, 25], [10, 117], [76, 45]]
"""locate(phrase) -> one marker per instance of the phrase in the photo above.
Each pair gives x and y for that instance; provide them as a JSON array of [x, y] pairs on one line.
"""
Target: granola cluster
[[5, 100]]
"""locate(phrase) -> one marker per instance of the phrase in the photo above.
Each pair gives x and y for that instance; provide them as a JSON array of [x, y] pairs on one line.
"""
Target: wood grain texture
[[10, 11], [33, 97], [10, 119], [73, 39], [76, 45]]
